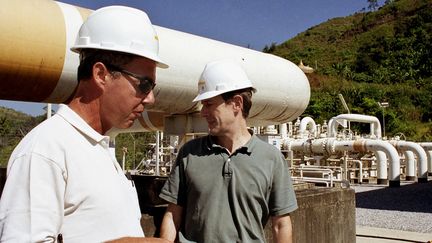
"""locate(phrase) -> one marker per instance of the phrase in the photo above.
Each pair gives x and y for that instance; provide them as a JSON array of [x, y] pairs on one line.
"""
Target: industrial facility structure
[[35, 43]]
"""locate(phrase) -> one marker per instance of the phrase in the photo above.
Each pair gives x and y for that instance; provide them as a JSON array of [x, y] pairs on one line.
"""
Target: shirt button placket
[[227, 170]]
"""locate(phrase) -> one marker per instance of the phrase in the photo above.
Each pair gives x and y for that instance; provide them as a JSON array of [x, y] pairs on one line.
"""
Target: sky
[[247, 23]]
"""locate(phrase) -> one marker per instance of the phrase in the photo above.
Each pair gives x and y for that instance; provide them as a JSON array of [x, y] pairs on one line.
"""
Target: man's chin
[[125, 125], [213, 132]]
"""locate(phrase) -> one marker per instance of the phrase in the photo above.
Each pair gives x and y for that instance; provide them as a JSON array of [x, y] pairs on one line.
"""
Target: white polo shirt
[[62, 179]]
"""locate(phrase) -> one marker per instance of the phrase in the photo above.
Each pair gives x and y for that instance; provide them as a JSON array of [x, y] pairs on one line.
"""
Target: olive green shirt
[[229, 198]]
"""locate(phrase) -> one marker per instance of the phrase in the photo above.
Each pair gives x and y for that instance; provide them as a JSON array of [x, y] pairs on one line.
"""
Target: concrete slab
[[371, 234]]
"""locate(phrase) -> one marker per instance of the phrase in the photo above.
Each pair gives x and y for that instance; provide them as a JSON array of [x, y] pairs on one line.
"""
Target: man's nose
[[149, 99], [204, 112]]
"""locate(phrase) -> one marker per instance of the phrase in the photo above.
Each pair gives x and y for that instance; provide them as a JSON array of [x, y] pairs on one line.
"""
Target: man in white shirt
[[63, 182]]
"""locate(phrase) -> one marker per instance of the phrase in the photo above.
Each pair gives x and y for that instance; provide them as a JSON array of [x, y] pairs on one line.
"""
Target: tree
[[270, 49]]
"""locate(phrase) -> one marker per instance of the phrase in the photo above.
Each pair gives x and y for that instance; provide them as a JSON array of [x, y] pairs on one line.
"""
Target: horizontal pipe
[[364, 145], [331, 146], [37, 35], [375, 125], [302, 145]]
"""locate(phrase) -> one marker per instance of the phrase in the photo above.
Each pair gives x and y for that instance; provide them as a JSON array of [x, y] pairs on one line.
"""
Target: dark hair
[[88, 57], [246, 94]]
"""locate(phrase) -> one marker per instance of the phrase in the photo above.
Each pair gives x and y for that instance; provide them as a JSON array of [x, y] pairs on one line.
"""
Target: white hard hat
[[221, 77], [119, 28]]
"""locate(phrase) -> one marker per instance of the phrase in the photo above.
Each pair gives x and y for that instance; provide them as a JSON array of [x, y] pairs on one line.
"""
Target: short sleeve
[[174, 190], [31, 208], [282, 197]]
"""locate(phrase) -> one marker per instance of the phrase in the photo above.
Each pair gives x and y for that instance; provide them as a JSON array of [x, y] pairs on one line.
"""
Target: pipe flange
[[324, 147]]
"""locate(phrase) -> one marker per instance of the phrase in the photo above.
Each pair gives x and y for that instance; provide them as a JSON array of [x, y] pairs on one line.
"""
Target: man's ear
[[100, 73], [237, 101]]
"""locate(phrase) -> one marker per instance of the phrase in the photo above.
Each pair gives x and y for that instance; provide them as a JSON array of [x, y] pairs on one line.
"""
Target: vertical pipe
[[410, 165], [49, 110], [290, 158], [382, 174], [394, 159], [345, 165], [283, 130], [360, 170], [428, 148], [124, 158], [290, 129], [420, 154], [429, 156]]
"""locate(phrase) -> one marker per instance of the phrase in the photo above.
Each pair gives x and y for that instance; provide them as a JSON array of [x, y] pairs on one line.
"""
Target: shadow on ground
[[416, 197]]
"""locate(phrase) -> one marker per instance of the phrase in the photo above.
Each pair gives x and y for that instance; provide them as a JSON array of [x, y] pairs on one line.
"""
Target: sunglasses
[[145, 85]]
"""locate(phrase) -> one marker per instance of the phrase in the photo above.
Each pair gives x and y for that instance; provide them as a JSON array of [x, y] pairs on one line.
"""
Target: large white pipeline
[[420, 155], [50, 67], [332, 145], [428, 148], [375, 126]]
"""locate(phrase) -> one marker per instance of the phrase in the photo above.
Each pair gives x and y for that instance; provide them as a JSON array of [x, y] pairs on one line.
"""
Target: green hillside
[[371, 57], [14, 125]]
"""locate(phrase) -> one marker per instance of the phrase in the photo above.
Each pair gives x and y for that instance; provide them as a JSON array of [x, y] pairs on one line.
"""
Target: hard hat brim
[[211, 94], [159, 62]]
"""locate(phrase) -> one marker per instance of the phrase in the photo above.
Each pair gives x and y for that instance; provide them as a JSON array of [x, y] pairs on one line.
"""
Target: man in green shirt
[[226, 185]]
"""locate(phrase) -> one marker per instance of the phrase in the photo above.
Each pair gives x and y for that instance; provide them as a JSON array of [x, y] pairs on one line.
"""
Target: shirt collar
[[246, 148], [76, 121]]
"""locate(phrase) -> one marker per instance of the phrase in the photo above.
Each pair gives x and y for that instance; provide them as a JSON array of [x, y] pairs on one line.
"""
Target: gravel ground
[[407, 208]]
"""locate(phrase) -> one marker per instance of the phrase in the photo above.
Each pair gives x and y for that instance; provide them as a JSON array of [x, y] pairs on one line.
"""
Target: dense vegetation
[[371, 57], [13, 127], [137, 147]]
